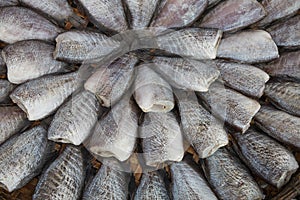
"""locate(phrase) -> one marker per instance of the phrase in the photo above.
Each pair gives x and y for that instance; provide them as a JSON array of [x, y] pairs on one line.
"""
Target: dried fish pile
[[109, 99]]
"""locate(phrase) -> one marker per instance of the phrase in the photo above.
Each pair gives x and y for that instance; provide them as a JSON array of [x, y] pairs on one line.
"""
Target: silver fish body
[[8, 3], [2, 65], [5, 89], [212, 3]]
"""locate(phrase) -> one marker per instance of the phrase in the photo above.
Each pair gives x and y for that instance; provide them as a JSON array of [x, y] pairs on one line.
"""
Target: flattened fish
[[18, 23], [248, 46], [186, 74], [229, 178], [194, 43], [2, 65], [233, 15], [109, 83], [5, 89], [74, 121], [285, 96], [30, 59], [201, 129], [162, 138], [40, 97], [64, 178], [151, 92], [12, 120], [8, 3], [266, 157], [279, 125], [23, 157]]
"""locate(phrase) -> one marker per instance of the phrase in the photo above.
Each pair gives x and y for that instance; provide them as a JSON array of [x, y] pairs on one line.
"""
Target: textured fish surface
[[186, 74], [80, 46], [233, 15], [279, 125], [151, 92], [212, 3], [285, 96], [152, 186], [30, 59], [248, 46], [18, 23], [162, 138], [74, 120], [12, 120], [5, 89], [178, 13], [273, 162], [64, 178], [109, 83], [194, 43], [2, 65], [8, 3], [201, 129], [23, 157], [229, 178], [40, 97]]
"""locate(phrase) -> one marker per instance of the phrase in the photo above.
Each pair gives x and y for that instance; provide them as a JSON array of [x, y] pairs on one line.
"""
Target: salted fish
[[8, 3], [5, 89], [2, 65], [212, 3]]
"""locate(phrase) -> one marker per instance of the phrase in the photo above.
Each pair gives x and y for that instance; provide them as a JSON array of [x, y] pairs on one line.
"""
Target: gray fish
[[195, 43], [212, 3], [229, 178], [64, 178], [5, 89], [74, 121], [23, 157], [248, 46], [40, 97], [201, 129], [285, 96], [152, 186], [8, 3], [233, 15], [18, 23], [109, 83], [79, 46], [30, 59], [279, 125], [178, 13], [105, 14], [162, 139], [266, 157], [186, 74], [2, 65], [12, 120]]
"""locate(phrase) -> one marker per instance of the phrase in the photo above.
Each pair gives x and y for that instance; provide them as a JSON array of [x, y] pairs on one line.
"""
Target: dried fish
[[233, 15], [285, 96], [201, 129], [74, 121], [229, 178], [8, 3], [23, 157], [18, 23], [5, 89], [273, 162], [186, 74], [2, 65], [212, 3], [279, 125], [64, 178], [151, 92], [248, 46], [30, 59], [40, 97]]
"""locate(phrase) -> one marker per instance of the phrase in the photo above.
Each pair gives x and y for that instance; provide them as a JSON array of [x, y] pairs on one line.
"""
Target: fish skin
[[233, 15], [12, 120], [194, 43], [2, 65], [205, 133], [151, 92], [273, 162], [74, 121], [23, 157], [248, 46], [162, 139], [279, 125], [26, 60], [19, 23], [285, 96], [8, 3], [178, 13], [83, 46], [40, 97], [212, 3], [109, 83], [64, 178], [229, 178], [186, 74], [5, 89]]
